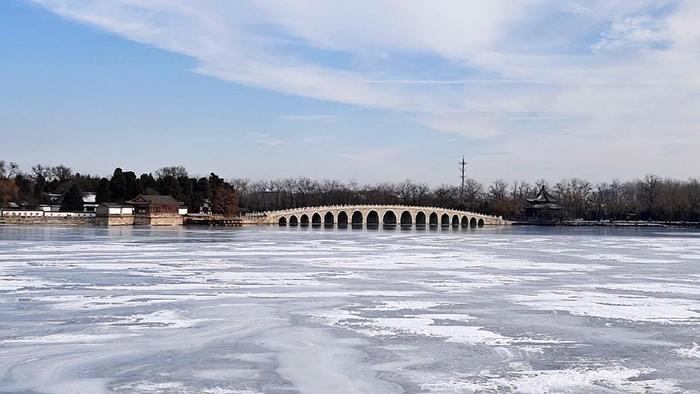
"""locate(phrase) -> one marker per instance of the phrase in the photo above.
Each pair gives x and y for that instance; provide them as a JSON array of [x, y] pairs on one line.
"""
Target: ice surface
[[345, 311]]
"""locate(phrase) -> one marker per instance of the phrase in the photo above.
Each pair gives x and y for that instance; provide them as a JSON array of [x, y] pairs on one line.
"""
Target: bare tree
[[498, 190], [175, 171]]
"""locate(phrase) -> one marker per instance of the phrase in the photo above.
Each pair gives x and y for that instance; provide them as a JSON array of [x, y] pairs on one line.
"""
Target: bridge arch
[[304, 220], [389, 218], [481, 223], [434, 220], [316, 220], [282, 221], [472, 222], [328, 219], [420, 219], [455, 221], [372, 218], [357, 218], [342, 219], [445, 220], [406, 219], [465, 222], [293, 221]]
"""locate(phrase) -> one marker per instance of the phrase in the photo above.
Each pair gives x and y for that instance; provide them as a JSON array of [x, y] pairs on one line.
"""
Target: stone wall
[[114, 220], [43, 220], [159, 220]]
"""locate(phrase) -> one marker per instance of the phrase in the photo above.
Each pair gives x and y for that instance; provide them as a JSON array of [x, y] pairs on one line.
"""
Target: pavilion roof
[[543, 197], [153, 199]]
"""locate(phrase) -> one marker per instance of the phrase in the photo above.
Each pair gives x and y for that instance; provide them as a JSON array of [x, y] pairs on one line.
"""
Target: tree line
[[648, 198], [36, 187]]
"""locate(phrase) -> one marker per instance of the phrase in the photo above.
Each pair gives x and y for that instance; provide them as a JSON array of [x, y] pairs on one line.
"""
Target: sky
[[367, 90]]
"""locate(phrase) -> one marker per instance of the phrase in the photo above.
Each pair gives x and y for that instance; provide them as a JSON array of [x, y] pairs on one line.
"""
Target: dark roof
[[153, 199], [542, 198], [113, 205]]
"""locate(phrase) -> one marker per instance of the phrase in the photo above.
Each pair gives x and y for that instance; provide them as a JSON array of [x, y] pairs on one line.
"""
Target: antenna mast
[[463, 165]]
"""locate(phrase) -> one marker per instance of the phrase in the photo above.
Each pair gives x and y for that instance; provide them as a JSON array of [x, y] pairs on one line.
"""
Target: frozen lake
[[348, 311]]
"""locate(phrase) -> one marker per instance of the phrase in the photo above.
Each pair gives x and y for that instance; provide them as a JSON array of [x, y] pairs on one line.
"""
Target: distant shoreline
[[619, 223]]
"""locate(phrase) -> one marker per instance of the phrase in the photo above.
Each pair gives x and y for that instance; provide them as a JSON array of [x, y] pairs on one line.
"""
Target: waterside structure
[[543, 208], [156, 210]]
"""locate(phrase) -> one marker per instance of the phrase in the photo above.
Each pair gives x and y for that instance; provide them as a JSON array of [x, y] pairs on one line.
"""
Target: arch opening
[[282, 221], [304, 220], [328, 219], [455, 221], [389, 218], [373, 219], [316, 220], [481, 223], [342, 219], [445, 220], [406, 219], [293, 221], [357, 218], [465, 222], [433, 220], [420, 219], [472, 222]]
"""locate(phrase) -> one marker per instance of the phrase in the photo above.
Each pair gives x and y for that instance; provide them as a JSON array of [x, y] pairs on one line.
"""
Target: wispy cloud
[[311, 117], [266, 139]]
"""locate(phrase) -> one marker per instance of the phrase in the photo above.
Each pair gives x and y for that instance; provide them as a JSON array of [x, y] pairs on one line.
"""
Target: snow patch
[[691, 352], [558, 381], [67, 338], [614, 306], [157, 320]]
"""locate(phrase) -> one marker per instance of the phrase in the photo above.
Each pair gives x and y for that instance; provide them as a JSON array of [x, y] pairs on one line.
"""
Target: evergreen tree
[[117, 186], [39, 189], [72, 200], [147, 184], [103, 191], [225, 200], [133, 186]]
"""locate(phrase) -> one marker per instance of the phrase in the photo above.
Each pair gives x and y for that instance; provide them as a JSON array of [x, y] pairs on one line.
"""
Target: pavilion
[[543, 208]]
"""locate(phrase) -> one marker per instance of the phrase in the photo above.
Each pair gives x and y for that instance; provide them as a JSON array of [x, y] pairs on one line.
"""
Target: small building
[[155, 210], [53, 204], [543, 208], [55, 200], [90, 202], [111, 214], [205, 207]]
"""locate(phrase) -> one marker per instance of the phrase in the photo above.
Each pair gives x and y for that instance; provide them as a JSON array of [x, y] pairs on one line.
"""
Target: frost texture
[[320, 311]]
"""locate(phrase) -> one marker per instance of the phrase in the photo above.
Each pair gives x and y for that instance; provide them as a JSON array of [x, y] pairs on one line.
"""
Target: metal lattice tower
[[463, 165]]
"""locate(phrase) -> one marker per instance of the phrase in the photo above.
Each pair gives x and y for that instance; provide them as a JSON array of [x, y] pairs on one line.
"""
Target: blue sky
[[367, 90]]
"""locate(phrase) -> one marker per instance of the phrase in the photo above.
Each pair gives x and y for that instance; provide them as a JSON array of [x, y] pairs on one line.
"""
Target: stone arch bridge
[[378, 215]]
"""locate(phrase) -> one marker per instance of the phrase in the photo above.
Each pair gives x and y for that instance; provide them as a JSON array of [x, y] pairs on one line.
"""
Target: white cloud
[[454, 29]]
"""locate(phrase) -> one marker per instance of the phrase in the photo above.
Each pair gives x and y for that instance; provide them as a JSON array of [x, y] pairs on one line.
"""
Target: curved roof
[[543, 197], [148, 199]]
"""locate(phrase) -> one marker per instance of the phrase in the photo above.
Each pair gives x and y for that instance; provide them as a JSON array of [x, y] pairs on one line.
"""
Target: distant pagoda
[[543, 208]]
